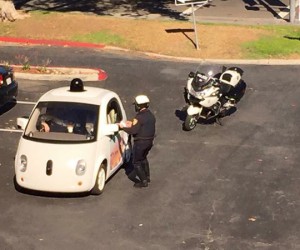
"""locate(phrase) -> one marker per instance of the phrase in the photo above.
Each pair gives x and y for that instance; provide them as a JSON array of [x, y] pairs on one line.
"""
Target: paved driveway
[[255, 11]]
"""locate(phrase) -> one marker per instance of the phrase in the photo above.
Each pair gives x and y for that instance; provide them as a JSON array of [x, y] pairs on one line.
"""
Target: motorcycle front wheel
[[190, 122]]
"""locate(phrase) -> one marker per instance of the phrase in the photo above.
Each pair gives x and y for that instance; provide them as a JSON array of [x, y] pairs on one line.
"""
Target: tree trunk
[[8, 11]]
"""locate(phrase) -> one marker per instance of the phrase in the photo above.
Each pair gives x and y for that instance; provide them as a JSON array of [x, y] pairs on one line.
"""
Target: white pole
[[292, 11], [195, 28], [298, 11]]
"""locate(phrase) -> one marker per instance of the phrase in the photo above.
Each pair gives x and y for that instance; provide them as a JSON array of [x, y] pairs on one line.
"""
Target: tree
[[9, 12]]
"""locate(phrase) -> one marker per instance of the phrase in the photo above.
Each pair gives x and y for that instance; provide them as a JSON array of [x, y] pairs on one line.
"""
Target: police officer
[[142, 128]]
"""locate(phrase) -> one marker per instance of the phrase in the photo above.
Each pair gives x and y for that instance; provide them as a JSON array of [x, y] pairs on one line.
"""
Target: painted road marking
[[284, 13], [190, 10], [197, 6], [11, 130], [17, 130], [25, 102]]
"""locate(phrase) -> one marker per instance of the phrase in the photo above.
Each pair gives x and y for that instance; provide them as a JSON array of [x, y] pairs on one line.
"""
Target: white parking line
[[197, 6], [24, 102], [284, 13], [17, 130], [189, 11], [11, 130]]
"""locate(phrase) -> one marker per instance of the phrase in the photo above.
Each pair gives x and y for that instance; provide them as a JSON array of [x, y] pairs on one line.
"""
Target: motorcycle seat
[[225, 88]]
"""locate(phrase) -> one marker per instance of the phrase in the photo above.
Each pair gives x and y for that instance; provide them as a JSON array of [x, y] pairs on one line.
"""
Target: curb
[[63, 74], [210, 61], [227, 61], [26, 41]]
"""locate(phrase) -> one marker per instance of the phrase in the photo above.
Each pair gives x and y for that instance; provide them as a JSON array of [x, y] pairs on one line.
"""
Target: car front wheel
[[100, 181]]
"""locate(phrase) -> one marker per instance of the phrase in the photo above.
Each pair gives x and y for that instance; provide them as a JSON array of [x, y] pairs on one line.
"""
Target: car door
[[117, 145]]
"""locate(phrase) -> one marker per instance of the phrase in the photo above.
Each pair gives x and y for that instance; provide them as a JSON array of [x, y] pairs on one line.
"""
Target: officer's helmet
[[140, 102]]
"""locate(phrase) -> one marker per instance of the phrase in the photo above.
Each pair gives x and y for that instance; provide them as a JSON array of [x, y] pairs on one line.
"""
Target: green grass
[[106, 37], [282, 41], [38, 13], [4, 29]]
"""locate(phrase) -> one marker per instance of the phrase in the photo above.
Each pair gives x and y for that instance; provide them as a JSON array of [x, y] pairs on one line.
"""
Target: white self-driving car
[[71, 142]]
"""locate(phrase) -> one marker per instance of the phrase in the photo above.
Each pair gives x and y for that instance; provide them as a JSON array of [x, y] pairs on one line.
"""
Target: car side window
[[114, 113]]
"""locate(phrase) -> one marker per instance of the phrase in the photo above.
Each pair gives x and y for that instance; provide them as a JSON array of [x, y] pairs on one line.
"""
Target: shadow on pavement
[[272, 6], [125, 8]]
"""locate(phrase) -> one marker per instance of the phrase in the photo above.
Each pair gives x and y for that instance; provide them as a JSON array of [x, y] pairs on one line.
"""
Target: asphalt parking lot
[[217, 187]]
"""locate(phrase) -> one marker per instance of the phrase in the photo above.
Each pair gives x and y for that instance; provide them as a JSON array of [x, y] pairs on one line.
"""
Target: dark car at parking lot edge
[[8, 85]]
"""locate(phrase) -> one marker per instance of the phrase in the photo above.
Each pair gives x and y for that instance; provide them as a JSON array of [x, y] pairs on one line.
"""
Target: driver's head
[[42, 125]]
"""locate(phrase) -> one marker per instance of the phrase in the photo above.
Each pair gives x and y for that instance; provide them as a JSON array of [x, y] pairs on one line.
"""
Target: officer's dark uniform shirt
[[144, 128]]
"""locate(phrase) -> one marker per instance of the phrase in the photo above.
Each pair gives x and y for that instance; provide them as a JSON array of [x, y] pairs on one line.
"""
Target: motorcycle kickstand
[[218, 121]]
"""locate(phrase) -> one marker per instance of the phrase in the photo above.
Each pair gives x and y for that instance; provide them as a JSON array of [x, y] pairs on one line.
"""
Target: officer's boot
[[132, 176], [146, 168], [141, 174]]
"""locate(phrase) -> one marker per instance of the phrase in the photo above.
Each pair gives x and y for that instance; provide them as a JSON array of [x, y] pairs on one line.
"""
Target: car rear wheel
[[100, 181]]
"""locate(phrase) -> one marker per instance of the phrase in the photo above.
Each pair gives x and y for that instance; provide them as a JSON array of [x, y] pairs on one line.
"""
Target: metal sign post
[[193, 3], [292, 10], [195, 27]]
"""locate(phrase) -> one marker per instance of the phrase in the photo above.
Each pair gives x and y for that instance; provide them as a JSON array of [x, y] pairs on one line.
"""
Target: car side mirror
[[22, 122], [110, 129]]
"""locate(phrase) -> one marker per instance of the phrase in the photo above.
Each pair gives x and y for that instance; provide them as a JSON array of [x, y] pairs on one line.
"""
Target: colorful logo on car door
[[116, 153]]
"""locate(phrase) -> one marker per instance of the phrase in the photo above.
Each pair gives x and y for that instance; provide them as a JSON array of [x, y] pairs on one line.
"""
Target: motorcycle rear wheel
[[190, 122]]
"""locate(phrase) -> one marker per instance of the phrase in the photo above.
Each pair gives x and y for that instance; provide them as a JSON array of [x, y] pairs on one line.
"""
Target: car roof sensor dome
[[76, 85]]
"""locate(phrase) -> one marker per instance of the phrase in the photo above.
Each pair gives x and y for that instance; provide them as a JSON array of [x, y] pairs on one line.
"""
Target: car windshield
[[63, 121]]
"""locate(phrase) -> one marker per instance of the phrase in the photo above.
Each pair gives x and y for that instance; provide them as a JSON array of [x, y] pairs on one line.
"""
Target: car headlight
[[23, 165], [81, 167]]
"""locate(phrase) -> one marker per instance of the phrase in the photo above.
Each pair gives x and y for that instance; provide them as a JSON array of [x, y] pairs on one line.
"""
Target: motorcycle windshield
[[199, 84]]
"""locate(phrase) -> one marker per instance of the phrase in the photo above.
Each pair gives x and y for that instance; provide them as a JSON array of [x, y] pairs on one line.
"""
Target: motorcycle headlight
[[200, 95], [81, 167], [23, 165]]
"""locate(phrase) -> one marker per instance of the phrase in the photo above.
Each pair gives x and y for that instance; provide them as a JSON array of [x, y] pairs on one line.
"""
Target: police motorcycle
[[210, 97]]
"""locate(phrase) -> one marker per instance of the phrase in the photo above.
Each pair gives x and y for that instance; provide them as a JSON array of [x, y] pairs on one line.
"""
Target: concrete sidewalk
[[62, 74]]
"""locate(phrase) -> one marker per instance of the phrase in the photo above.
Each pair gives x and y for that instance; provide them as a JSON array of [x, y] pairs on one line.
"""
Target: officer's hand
[[121, 124], [128, 123], [125, 124]]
